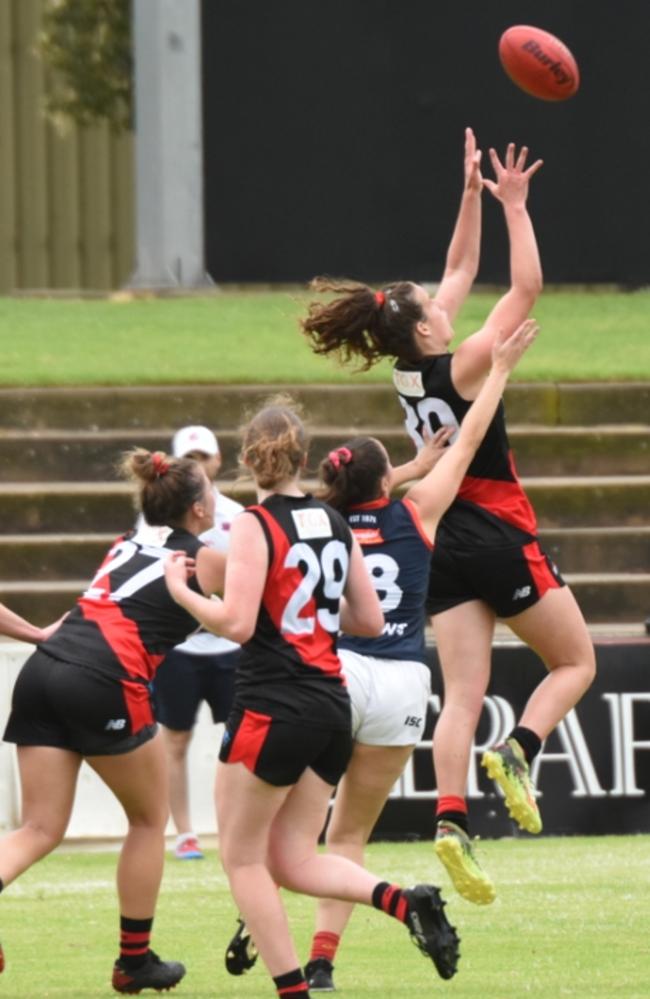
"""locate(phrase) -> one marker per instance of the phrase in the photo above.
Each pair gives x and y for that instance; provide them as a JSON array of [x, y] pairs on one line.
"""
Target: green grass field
[[571, 919], [247, 337]]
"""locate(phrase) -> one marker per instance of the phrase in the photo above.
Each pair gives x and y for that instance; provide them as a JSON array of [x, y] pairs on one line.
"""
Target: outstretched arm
[[432, 451], [464, 250], [15, 626], [473, 357], [436, 491]]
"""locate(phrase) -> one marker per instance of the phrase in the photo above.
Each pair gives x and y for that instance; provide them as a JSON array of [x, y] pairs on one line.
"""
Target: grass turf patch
[[245, 337], [569, 920]]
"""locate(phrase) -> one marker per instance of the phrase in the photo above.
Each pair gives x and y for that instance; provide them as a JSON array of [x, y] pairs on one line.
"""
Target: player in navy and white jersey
[[388, 679], [295, 576], [85, 694]]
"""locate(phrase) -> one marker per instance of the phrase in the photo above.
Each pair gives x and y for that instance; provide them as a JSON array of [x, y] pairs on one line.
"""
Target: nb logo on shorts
[[115, 725], [521, 592], [413, 720]]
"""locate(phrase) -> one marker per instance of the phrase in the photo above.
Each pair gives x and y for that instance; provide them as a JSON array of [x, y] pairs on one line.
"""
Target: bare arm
[[361, 612], [473, 357], [463, 255], [235, 616], [14, 626], [433, 494], [211, 570], [428, 455]]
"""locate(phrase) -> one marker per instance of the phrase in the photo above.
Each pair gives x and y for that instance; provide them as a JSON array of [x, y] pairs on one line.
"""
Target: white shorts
[[389, 698]]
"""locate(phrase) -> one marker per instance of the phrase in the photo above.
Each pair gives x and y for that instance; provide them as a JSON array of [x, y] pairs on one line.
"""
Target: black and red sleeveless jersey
[[290, 667], [126, 621], [491, 507]]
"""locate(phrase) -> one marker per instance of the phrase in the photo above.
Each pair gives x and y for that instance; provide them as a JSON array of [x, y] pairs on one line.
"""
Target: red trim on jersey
[[138, 704], [506, 500], [371, 504], [542, 576], [248, 742], [122, 636], [315, 648], [415, 517]]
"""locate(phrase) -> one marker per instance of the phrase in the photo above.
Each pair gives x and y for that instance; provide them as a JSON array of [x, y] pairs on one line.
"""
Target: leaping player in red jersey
[[295, 575], [487, 562], [84, 694]]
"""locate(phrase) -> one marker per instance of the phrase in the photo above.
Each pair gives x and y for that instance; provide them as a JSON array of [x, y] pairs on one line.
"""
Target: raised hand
[[473, 178], [512, 179]]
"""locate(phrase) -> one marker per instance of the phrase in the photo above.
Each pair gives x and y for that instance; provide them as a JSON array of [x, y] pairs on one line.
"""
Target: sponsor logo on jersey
[[521, 593], [312, 523], [409, 383], [414, 721], [115, 725], [368, 535]]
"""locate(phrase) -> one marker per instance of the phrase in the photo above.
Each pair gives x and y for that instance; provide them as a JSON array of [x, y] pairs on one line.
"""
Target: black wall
[[593, 774], [334, 130]]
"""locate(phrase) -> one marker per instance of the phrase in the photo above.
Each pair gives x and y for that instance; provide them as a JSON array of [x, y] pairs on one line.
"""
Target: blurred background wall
[[334, 129], [66, 197]]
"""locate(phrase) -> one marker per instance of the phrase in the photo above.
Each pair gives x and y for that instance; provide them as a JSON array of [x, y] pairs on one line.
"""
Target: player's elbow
[[372, 624], [239, 630]]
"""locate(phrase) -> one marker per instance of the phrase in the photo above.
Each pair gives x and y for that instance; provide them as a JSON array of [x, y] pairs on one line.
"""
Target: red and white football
[[539, 63]]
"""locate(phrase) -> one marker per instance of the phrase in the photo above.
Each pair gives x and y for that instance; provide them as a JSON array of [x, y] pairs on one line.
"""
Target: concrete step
[[87, 507], [349, 404], [42, 557], [82, 455], [620, 597]]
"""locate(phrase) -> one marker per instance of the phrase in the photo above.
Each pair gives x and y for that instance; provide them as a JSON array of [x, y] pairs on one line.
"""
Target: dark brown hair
[[167, 487], [274, 442], [358, 323], [357, 480]]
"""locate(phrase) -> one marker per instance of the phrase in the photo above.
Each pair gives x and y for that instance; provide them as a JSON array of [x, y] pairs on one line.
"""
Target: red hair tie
[[380, 298], [342, 456], [160, 463]]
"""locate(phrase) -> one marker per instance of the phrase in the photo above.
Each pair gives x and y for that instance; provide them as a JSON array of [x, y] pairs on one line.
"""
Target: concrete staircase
[[583, 452]]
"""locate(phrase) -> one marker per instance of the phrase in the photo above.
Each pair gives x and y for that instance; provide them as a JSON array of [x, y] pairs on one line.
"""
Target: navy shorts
[[67, 706], [279, 752], [509, 580], [184, 680]]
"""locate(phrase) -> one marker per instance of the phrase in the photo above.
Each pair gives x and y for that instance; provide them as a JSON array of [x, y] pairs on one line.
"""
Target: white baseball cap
[[194, 439]]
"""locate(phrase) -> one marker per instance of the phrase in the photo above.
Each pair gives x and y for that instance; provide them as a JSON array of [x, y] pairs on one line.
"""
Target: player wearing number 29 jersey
[[290, 667]]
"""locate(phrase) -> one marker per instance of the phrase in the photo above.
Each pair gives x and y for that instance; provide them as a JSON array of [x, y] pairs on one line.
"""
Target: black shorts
[[509, 580], [184, 680], [67, 706], [279, 752]]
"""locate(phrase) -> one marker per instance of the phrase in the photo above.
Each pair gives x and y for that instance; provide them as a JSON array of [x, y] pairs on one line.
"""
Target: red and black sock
[[292, 985], [453, 809], [324, 945], [529, 741], [391, 900], [134, 941]]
